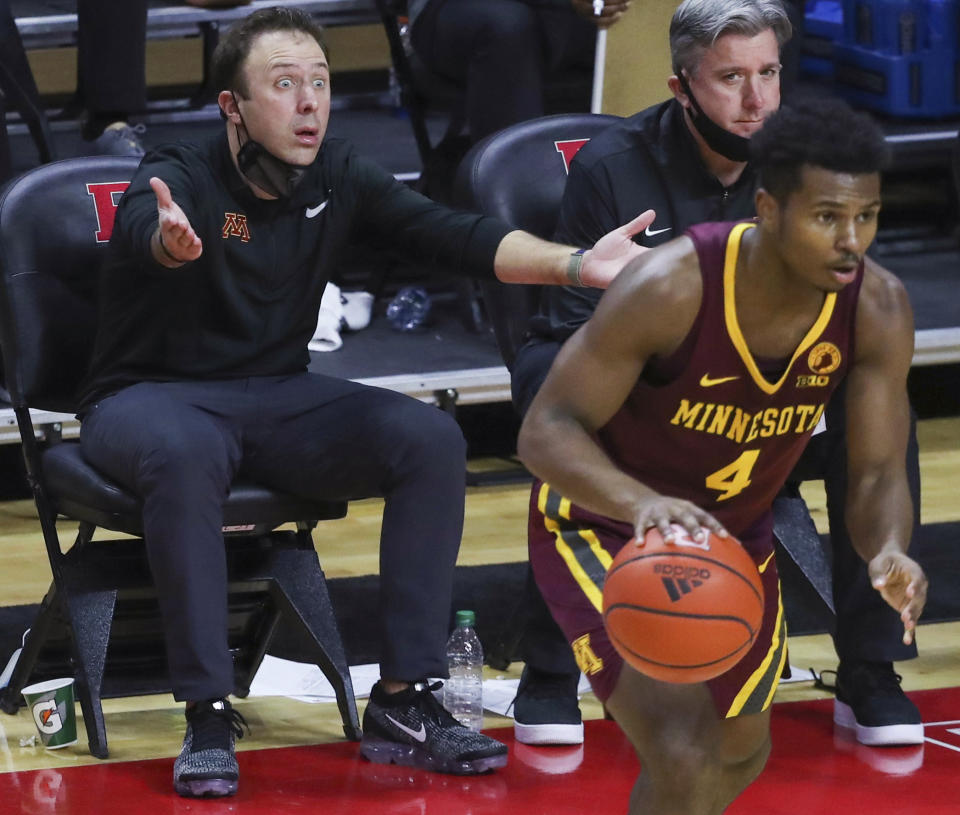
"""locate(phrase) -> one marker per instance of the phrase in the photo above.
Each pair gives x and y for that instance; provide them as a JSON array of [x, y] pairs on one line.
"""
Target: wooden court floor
[[151, 727]]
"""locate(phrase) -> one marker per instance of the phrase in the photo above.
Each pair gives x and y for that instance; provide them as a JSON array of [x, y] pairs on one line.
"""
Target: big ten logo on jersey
[[106, 198], [824, 358], [568, 149]]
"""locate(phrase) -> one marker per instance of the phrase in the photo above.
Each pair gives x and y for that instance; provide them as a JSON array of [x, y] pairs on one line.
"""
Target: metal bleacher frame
[[46, 24], [170, 19]]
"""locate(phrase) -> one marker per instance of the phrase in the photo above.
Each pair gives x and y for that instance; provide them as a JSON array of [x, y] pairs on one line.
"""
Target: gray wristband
[[574, 265]]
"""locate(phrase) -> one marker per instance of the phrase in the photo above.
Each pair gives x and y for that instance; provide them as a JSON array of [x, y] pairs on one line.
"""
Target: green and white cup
[[52, 707]]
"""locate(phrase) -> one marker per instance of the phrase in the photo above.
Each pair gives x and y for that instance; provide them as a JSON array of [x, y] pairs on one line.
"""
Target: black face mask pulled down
[[727, 144], [273, 175]]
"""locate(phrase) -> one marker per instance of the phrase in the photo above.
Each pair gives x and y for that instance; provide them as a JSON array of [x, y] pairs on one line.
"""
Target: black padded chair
[[518, 175], [55, 221]]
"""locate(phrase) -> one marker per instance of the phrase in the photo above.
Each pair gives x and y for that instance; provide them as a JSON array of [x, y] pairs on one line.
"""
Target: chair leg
[[300, 591], [90, 615]]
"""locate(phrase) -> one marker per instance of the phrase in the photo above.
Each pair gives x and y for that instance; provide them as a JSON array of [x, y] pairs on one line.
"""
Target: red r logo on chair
[[568, 149], [106, 197]]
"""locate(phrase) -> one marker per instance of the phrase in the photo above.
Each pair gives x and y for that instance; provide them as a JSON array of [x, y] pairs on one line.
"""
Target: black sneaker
[[413, 729], [545, 710], [871, 701], [207, 764]]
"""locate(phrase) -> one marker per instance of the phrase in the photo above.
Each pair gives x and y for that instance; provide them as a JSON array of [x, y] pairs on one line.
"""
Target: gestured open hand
[[613, 251], [902, 583], [175, 242]]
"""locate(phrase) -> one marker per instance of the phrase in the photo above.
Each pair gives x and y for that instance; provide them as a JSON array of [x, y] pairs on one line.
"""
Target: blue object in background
[[822, 29], [900, 57]]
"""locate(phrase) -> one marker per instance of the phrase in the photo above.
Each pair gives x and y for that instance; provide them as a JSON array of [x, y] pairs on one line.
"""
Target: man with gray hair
[[687, 159]]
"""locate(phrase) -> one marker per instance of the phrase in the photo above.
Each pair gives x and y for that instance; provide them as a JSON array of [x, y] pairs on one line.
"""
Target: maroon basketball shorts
[[571, 550]]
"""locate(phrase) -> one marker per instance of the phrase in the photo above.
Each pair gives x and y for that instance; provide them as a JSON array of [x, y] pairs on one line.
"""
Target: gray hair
[[698, 24]]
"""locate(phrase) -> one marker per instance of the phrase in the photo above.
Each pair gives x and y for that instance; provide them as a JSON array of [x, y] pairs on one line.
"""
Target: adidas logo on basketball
[[680, 580], [676, 589]]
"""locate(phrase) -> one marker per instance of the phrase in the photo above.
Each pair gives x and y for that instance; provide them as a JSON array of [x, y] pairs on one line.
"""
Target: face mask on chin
[[727, 144], [260, 167]]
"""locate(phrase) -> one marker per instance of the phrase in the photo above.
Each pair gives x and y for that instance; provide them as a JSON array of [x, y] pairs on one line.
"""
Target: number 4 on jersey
[[735, 477]]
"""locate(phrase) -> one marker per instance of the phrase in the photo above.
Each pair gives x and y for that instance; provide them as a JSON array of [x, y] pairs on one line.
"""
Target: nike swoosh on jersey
[[420, 735], [651, 232], [313, 212], [707, 382]]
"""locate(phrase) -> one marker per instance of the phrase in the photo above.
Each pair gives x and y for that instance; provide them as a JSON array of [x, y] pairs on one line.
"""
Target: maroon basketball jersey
[[726, 431]]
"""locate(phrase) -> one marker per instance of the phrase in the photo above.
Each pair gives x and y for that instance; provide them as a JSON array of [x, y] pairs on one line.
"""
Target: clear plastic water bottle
[[409, 310], [463, 691]]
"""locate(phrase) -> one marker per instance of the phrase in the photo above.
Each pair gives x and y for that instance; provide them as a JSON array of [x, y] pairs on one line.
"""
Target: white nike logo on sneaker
[[420, 735], [313, 212], [651, 232]]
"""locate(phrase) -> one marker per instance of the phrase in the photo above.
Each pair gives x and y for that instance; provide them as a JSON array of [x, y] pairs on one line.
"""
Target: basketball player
[[688, 397], [686, 158]]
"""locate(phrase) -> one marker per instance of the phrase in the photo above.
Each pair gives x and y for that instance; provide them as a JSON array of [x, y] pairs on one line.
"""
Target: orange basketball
[[682, 612]]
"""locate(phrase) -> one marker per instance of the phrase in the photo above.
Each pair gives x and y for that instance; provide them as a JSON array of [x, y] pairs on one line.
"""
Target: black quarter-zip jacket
[[646, 161], [248, 306]]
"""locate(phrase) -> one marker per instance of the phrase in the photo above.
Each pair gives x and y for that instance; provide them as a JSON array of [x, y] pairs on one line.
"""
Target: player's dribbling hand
[[661, 511], [178, 242], [902, 583]]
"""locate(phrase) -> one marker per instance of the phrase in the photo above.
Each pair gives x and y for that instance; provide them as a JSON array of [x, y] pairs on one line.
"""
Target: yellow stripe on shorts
[[757, 692], [579, 547]]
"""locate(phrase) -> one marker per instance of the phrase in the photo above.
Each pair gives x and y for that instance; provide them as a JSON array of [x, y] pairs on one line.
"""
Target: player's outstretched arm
[[648, 310], [174, 241], [879, 507]]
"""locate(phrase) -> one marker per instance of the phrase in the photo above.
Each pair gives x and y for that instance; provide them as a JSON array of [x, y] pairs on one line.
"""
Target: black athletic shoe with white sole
[[871, 702], [413, 729], [207, 764], [546, 709]]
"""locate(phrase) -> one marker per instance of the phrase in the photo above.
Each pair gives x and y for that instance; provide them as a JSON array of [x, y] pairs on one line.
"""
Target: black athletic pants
[[866, 627], [500, 51], [111, 57], [178, 446]]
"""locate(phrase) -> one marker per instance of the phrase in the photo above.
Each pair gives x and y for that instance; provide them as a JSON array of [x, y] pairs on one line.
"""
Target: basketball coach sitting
[[199, 371]]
